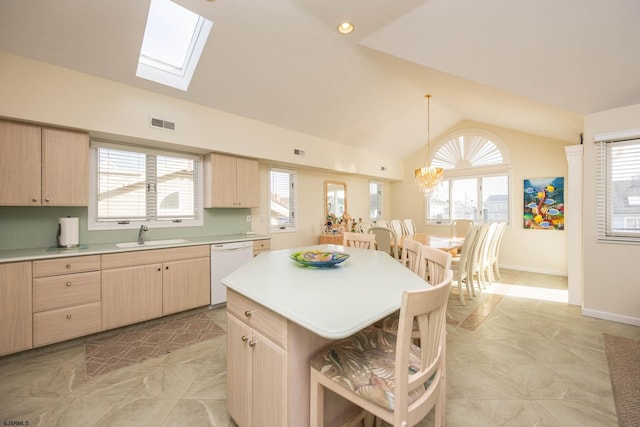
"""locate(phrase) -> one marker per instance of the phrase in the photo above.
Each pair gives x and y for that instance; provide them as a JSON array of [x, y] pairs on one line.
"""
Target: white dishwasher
[[225, 258]]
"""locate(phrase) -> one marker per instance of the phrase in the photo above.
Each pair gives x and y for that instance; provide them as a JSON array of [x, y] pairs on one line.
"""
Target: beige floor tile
[[199, 413], [582, 413]]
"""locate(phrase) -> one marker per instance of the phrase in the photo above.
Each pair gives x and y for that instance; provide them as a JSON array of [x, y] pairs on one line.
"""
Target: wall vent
[[162, 124], [298, 152]]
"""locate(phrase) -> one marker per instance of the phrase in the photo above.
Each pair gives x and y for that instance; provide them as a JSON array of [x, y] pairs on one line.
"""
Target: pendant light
[[428, 177]]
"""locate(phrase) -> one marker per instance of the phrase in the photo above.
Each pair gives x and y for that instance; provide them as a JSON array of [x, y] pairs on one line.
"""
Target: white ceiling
[[532, 66]]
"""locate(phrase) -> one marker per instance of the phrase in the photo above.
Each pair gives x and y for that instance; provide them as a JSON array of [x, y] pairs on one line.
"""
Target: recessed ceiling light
[[345, 27]]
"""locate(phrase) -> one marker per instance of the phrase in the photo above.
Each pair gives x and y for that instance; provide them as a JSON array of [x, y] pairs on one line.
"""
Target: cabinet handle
[[248, 313], [167, 267], [68, 266], [68, 316], [244, 338], [68, 284], [252, 343], [46, 199], [159, 269], [34, 200]]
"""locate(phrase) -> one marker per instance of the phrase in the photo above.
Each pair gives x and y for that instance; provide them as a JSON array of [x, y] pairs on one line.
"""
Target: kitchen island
[[281, 313]]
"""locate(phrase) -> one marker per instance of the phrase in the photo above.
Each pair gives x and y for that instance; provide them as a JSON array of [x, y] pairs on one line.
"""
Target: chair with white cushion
[[359, 240], [384, 373]]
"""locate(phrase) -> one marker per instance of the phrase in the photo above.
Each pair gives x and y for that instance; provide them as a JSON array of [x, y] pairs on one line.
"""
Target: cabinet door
[[186, 284], [19, 164], [65, 168], [131, 294], [247, 190], [15, 307], [239, 372], [269, 382], [222, 182]]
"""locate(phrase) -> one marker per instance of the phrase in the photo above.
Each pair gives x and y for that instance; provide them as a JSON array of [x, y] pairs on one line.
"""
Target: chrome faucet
[[143, 228]]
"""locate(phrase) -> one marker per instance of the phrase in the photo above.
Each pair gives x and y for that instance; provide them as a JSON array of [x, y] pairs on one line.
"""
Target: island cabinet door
[[269, 370], [239, 395]]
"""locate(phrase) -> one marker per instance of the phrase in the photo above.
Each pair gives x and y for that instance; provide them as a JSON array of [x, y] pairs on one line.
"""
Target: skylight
[[173, 41]]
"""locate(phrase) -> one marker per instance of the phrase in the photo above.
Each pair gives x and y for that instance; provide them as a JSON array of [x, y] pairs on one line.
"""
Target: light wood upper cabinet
[[65, 168], [15, 307], [43, 166], [230, 182], [20, 157]]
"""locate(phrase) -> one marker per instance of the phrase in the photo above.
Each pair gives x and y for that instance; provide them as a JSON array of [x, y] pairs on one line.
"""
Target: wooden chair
[[411, 254], [433, 264], [495, 250], [384, 373], [364, 226], [461, 264], [459, 227], [485, 274], [396, 226], [409, 226], [382, 223], [386, 240], [359, 240], [475, 259]]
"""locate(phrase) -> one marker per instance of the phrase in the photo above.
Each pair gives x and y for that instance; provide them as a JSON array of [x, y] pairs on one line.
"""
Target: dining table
[[447, 244]]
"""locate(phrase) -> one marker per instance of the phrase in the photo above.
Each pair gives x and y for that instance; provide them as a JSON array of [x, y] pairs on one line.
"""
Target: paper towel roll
[[68, 232]]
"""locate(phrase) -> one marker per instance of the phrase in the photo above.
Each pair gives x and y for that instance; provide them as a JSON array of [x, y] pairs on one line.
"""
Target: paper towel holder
[[63, 241]]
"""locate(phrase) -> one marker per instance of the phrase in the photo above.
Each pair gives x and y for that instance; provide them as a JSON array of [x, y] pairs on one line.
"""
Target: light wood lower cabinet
[[260, 246], [257, 375], [66, 298], [15, 307], [143, 285]]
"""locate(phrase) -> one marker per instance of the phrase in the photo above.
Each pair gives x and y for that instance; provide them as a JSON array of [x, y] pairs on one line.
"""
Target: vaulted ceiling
[[536, 66]]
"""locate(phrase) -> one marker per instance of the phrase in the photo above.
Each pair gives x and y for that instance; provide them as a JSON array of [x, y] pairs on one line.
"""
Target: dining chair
[[433, 264], [359, 240], [485, 273], [459, 227], [460, 264], [475, 259], [396, 226], [384, 373], [410, 254], [364, 226], [409, 226], [386, 240], [495, 250], [382, 223]]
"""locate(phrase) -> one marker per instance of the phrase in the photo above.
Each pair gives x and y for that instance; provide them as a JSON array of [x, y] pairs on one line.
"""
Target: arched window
[[477, 179]]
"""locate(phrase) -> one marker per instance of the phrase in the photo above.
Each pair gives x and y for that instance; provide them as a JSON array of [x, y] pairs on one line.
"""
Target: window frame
[[152, 222], [293, 200], [379, 197], [605, 233]]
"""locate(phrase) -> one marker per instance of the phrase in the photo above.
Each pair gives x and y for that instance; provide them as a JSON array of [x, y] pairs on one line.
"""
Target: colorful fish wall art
[[544, 204]]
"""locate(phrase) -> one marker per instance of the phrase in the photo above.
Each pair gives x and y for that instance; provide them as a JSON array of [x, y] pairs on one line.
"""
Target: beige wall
[[611, 271], [531, 157]]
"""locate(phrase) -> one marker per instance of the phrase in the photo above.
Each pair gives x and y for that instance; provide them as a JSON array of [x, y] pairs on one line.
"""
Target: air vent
[[162, 124], [298, 152]]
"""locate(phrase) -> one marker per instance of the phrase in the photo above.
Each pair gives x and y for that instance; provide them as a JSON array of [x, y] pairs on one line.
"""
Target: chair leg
[[316, 403], [460, 293], [496, 270]]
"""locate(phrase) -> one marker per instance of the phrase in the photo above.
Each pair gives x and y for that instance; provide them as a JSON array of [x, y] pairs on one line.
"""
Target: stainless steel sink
[[152, 243]]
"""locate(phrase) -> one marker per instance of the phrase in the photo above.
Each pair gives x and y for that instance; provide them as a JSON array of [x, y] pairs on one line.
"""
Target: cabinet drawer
[[54, 267], [63, 291], [261, 245], [66, 323], [259, 317]]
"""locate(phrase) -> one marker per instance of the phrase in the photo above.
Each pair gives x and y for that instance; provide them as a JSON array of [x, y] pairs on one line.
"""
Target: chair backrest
[[474, 258], [359, 240], [396, 226], [363, 227], [409, 226], [497, 239], [459, 227], [411, 254], [428, 307], [467, 251], [382, 223], [434, 264], [485, 251], [386, 240]]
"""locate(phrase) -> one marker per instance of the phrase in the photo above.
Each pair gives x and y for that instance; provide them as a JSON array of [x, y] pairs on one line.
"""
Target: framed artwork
[[544, 204]]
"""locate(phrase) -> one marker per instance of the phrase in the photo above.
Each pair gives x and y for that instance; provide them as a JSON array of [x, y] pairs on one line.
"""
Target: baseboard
[[533, 270], [612, 316]]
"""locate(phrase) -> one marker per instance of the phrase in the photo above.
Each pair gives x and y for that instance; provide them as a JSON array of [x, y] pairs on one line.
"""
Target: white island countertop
[[332, 302]]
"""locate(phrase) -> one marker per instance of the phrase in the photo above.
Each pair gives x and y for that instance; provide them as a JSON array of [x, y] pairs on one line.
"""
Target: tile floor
[[512, 361]]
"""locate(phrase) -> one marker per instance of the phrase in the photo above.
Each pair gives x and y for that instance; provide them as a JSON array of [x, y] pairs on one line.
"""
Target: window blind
[[282, 199], [618, 189], [139, 184]]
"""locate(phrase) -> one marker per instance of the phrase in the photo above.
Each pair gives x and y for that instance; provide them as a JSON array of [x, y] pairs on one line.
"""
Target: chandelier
[[428, 177]]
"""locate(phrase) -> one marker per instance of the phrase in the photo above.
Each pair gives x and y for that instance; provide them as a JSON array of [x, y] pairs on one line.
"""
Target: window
[[476, 184], [375, 200], [174, 38], [282, 199], [618, 191], [133, 185]]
